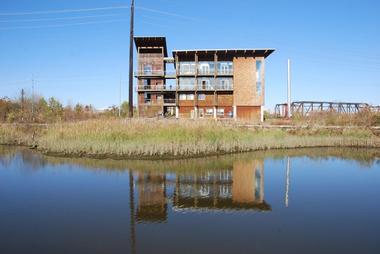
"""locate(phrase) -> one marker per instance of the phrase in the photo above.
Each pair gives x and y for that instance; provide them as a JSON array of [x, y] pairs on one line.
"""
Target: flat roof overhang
[[151, 42], [224, 52]]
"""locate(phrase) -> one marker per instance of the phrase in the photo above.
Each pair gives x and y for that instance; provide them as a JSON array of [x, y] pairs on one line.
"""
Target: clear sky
[[80, 56]]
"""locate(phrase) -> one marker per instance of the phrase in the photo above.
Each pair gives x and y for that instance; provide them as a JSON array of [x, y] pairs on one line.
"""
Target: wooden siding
[[252, 113]]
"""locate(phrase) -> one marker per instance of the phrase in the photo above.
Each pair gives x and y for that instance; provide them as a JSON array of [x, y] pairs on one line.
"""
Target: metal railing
[[156, 87], [224, 86], [155, 73], [205, 87], [225, 72], [169, 101]]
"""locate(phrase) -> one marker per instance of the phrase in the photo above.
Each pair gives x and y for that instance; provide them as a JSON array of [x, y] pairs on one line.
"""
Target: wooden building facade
[[226, 83]]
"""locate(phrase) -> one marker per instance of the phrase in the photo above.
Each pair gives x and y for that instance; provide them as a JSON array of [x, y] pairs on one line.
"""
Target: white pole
[[289, 90], [287, 182]]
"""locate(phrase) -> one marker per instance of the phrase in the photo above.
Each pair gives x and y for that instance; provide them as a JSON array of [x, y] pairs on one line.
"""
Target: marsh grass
[[140, 138]]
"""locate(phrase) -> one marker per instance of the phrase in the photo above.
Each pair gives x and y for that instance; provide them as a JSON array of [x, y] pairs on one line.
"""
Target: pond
[[321, 200]]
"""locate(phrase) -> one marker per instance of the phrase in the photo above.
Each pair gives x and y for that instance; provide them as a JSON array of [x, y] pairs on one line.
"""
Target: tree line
[[37, 109]]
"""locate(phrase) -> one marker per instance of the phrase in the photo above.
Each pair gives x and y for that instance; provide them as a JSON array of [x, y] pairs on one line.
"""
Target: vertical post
[[132, 212], [32, 97], [289, 91], [120, 97], [131, 61], [287, 184], [22, 104]]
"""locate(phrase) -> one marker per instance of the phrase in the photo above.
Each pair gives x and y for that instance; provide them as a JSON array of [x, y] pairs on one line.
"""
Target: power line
[[166, 13], [63, 25], [95, 9], [63, 18], [64, 11]]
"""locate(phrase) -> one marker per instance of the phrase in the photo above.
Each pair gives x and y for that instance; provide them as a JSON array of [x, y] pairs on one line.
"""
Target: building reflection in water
[[152, 206], [238, 187], [241, 187]]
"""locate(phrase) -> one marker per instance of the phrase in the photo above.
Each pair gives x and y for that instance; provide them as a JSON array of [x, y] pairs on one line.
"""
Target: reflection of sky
[[80, 210]]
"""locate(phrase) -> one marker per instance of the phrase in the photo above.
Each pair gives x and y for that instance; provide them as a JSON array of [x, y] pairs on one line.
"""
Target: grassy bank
[[168, 139]]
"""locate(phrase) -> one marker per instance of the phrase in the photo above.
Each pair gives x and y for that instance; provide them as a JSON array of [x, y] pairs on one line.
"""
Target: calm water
[[296, 201]]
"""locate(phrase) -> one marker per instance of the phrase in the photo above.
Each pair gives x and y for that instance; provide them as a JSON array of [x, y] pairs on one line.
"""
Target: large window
[[186, 97], [224, 84], [148, 69], [206, 83], [187, 68], [186, 83], [206, 68], [225, 68], [259, 69], [201, 97]]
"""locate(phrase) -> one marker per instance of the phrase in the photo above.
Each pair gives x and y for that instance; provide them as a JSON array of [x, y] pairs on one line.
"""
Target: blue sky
[[80, 56]]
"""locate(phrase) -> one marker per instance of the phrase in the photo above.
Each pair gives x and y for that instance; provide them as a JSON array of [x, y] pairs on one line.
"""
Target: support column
[[195, 112], [234, 112], [214, 112], [262, 114], [177, 112]]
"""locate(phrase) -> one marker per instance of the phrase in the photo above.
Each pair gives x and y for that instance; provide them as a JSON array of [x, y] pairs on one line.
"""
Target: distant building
[[227, 83]]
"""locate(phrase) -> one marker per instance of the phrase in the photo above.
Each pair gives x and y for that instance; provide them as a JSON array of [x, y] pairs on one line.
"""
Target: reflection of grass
[[365, 157], [161, 139]]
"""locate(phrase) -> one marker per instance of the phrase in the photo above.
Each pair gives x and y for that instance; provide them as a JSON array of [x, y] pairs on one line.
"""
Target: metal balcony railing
[[225, 72], [169, 101], [156, 87], [205, 87], [206, 72], [154, 73], [224, 87]]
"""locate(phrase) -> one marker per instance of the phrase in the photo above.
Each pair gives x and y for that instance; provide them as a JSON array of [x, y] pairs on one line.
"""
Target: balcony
[[169, 101], [225, 87], [225, 72], [207, 87], [156, 88], [155, 73]]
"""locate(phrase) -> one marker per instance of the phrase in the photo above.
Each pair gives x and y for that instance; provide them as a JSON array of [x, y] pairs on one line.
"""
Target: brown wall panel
[[249, 113], [225, 100]]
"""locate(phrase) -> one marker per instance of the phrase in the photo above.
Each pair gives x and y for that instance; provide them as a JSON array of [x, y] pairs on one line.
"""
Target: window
[[201, 97], [182, 97], [190, 97], [220, 111], [225, 68], [259, 70], [201, 113], [147, 69], [146, 83], [209, 111], [186, 83], [187, 68]]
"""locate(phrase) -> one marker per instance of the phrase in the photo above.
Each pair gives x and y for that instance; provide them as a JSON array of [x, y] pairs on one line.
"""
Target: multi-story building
[[223, 83]]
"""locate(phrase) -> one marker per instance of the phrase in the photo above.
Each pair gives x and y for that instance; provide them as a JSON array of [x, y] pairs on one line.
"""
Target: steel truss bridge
[[304, 108]]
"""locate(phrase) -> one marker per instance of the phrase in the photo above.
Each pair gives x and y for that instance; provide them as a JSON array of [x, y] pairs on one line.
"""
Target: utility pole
[[22, 103], [120, 97], [131, 61], [287, 183], [32, 97], [289, 91]]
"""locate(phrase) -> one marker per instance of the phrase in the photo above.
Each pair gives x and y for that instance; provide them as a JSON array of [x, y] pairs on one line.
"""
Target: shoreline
[[160, 140]]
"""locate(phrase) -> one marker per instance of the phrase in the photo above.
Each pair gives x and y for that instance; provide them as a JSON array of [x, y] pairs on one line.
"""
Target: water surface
[[294, 201]]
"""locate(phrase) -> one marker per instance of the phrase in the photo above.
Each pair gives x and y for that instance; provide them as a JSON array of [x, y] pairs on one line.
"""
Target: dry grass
[[140, 138]]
